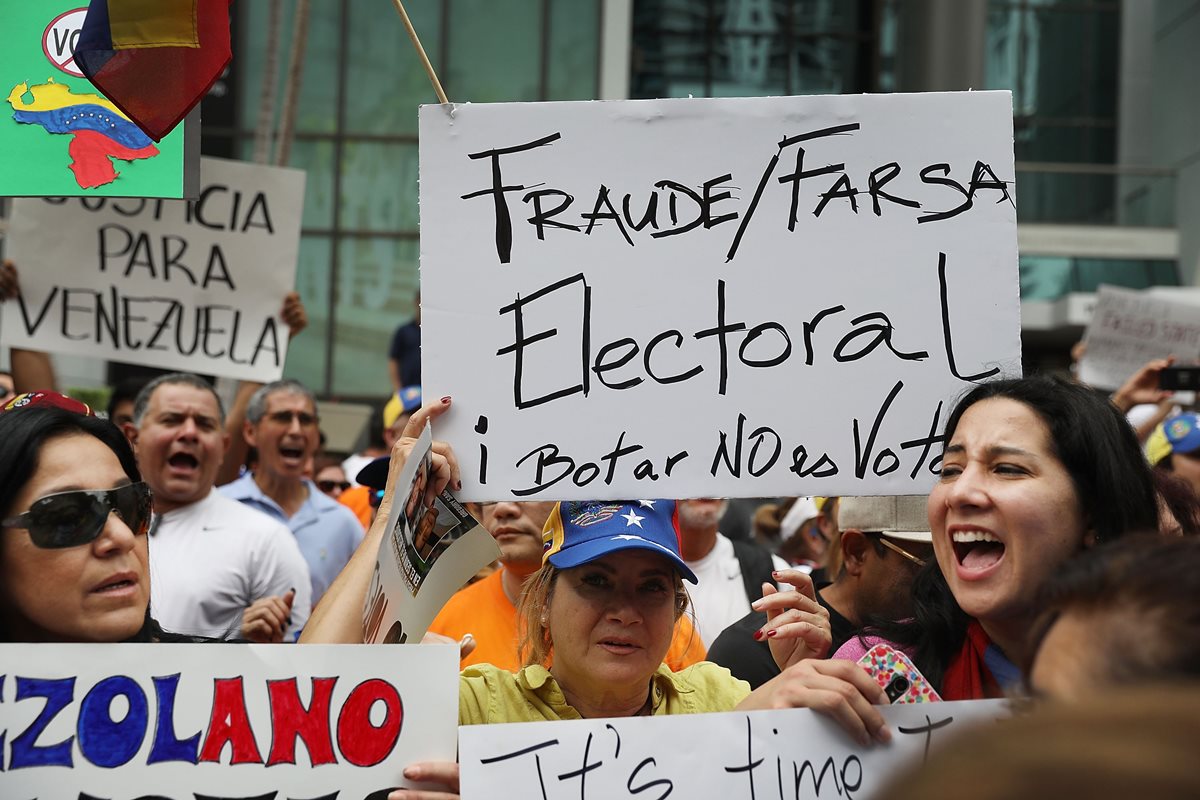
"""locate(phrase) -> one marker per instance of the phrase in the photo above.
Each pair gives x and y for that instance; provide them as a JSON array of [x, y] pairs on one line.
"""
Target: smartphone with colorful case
[[899, 677]]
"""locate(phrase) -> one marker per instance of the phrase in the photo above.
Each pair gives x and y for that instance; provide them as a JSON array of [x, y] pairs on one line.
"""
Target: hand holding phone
[[1182, 377], [902, 682]]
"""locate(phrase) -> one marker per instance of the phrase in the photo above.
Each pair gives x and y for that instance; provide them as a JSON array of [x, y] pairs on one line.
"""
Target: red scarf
[[967, 676]]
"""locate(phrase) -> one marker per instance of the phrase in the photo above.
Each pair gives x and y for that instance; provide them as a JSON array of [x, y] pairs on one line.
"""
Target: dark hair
[[1112, 482], [23, 434], [24, 431], [1179, 498], [125, 391], [1146, 585]]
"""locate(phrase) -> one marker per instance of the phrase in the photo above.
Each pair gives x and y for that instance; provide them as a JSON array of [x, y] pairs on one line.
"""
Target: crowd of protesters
[[1051, 560]]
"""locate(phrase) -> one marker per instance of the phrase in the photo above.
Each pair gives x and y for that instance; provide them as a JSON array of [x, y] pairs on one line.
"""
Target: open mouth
[[977, 550], [184, 461], [117, 584], [291, 452], [619, 646]]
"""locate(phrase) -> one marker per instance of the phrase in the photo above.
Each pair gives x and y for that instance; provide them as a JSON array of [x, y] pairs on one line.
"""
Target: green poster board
[[59, 136]]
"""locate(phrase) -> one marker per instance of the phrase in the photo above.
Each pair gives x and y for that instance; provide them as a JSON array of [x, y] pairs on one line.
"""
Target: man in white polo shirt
[[727, 571], [217, 567]]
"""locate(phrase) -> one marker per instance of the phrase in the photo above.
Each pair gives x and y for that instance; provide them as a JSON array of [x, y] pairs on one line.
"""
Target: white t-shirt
[[719, 598], [210, 560]]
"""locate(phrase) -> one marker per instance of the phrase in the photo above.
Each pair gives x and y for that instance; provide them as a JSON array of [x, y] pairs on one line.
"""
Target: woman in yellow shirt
[[600, 612]]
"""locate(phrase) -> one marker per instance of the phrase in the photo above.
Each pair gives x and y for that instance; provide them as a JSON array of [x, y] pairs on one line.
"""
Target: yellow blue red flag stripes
[[154, 59]]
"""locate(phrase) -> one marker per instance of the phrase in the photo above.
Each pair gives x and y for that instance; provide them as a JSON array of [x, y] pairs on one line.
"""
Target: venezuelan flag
[[99, 130], [154, 59]]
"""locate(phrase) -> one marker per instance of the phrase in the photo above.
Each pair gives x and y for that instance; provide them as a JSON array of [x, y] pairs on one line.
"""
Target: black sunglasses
[[69, 519], [329, 486]]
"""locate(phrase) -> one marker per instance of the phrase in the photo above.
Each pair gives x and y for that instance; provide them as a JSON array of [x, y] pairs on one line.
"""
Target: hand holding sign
[[839, 689], [294, 315], [9, 287], [445, 465], [439, 773]]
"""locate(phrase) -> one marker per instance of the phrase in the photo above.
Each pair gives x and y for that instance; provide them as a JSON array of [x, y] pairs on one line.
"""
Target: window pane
[[749, 47], [1073, 143], [574, 50], [821, 16], [669, 65], [1045, 277], [827, 65], [316, 110], [377, 280], [1066, 198], [306, 353], [379, 186], [750, 64], [384, 78], [315, 157], [494, 56]]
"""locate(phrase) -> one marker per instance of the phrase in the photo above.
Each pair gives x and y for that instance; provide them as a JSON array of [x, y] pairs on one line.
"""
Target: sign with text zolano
[[59, 136], [718, 297], [188, 285], [217, 721]]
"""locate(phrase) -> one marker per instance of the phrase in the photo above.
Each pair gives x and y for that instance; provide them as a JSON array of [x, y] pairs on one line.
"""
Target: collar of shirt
[[244, 488]]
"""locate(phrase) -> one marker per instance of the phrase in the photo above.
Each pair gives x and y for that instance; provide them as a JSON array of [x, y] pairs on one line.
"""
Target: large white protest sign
[[729, 297], [1129, 328], [433, 546], [181, 721], [189, 285], [762, 754]]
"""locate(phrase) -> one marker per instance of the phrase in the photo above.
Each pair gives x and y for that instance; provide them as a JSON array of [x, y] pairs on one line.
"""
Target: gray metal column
[[941, 45]]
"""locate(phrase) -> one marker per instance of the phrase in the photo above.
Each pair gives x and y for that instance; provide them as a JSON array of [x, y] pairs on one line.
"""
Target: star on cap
[[647, 504], [632, 519]]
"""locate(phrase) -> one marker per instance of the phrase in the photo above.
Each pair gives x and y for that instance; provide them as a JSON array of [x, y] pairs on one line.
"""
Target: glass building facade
[[356, 136], [1060, 59], [356, 130], [719, 48]]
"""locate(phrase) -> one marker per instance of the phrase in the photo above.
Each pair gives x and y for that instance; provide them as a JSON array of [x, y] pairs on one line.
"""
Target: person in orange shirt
[[363, 499], [487, 609]]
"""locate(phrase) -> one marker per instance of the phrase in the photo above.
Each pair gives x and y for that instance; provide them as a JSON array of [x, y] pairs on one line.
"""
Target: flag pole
[[412, 34]]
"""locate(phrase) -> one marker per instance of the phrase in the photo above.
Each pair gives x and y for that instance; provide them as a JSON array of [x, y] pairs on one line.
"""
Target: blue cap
[[1183, 432], [410, 398], [579, 532]]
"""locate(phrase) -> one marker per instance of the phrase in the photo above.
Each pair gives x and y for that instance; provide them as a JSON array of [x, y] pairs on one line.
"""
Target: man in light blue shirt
[[281, 424]]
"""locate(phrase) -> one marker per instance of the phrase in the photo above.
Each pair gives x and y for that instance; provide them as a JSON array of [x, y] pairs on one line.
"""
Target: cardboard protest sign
[[1129, 328], [717, 297], [60, 136], [195, 286], [432, 548], [179, 721], [786, 754]]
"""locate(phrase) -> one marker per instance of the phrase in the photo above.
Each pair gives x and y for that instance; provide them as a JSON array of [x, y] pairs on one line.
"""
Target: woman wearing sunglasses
[[74, 519]]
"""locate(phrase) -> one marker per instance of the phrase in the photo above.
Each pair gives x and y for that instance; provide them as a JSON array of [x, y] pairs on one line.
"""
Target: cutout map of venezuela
[[99, 131]]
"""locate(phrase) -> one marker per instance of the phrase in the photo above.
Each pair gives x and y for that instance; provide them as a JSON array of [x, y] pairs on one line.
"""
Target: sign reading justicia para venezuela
[[58, 135]]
